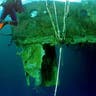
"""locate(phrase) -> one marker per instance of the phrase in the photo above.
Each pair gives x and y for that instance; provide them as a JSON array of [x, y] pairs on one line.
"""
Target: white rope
[[66, 11], [57, 33], [60, 55], [57, 25], [53, 24]]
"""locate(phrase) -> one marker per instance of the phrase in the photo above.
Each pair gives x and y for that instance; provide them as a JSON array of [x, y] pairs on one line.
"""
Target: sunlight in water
[[69, 0], [27, 1]]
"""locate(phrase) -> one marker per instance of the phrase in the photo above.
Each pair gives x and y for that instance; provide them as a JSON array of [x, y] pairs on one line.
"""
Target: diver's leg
[[3, 15], [13, 17], [20, 7]]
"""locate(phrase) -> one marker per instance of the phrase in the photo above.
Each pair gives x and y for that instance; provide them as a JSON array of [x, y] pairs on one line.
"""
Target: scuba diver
[[10, 7]]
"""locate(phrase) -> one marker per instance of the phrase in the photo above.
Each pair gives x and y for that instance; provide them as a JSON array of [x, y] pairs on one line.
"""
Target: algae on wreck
[[36, 31]]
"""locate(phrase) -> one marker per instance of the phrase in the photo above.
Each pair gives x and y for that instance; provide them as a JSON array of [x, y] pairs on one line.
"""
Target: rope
[[55, 10], [57, 32], [60, 55], [50, 15], [66, 11]]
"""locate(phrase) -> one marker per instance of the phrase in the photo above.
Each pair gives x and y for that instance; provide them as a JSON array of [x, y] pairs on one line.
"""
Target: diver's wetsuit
[[10, 7]]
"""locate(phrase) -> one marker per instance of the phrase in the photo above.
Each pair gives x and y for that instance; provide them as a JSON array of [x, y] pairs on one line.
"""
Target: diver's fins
[[2, 25]]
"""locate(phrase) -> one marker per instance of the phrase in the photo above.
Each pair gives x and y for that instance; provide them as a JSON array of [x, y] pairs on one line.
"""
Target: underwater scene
[[47, 47]]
